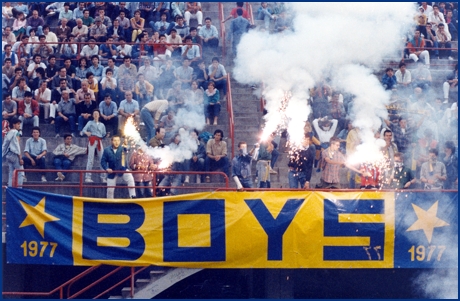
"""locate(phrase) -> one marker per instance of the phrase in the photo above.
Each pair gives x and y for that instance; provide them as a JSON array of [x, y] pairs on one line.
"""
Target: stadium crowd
[[92, 65]]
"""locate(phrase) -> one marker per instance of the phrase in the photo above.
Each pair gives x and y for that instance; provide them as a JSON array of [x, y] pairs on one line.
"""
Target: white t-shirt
[[32, 66]]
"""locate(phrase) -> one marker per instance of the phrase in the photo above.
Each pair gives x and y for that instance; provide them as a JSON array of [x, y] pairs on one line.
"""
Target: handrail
[[249, 9], [230, 113], [222, 28], [91, 285], [123, 280]]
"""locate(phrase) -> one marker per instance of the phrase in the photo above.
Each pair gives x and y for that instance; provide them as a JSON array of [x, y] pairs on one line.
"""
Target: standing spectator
[[174, 179], [402, 177], [389, 79], [234, 13], [193, 11], [238, 27], [450, 160], [80, 31], [109, 112], [263, 162], [216, 154], [433, 172], [218, 75], [66, 113], [209, 35], [128, 108], [35, 22], [301, 164], [212, 103], [64, 154], [241, 166], [28, 110], [9, 109], [444, 39], [95, 130], [85, 110], [113, 160], [11, 151], [35, 152], [150, 115], [142, 161]]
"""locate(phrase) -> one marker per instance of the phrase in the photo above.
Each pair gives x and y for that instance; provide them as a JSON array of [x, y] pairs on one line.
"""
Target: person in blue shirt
[[96, 68], [241, 166], [238, 27], [389, 79]]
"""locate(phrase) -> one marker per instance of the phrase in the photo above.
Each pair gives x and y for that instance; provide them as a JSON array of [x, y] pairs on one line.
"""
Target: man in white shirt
[[89, 50], [37, 62], [123, 49], [50, 37], [209, 35]]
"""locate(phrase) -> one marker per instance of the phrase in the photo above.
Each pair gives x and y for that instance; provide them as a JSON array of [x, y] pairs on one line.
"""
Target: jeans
[[213, 111], [246, 182], [297, 178], [147, 118], [263, 172], [263, 14], [197, 166], [33, 120], [171, 180], [127, 178], [212, 165], [13, 163], [222, 84], [89, 164], [59, 121], [82, 122], [144, 192], [275, 155], [62, 163]]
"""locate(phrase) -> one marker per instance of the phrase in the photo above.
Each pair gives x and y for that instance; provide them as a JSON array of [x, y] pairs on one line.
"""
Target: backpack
[[205, 136]]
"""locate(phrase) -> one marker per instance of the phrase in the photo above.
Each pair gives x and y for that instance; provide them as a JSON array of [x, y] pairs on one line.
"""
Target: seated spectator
[[137, 24], [181, 28], [436, 17], [157, 140], [166, 79], [43, 97], [421, 77], [116, 31], [84, 111], [7, 53], [162, 26], [36, 63], [444, 39], [282, 22], [23, 66], [22, 48], [143, 90], [147, 10], [184, 73], [50, 37], [389, 79], [87, 20], [128, 108], [56, 92], [93, 84], [8, 69], [52, 12], [7, 14], [151, 73], [89, 50], [121, 7], [150, 115], [80, 31], [450, 160], [196, 163], [111, 65], [173, 44], [125, 23], [212, 103], [19, 91], [98, 31], [433, 172], [431, 41], [193, 11], [109, 115], [8, 36], [9, 109], [124, 50], [452, 24], [105, 19], [43, 49], [191, 52], [63, 31], [96, 131], [218, 75], [196, 39], [142, 48], [177, 9], [201, 75], [127, 66], [64, 155], [416, 47], [265, 13], [20, 7], [176, 96], [96, 68], [142, 161], [19, 26], [451, 84], [69, 49], [66, 14], [66, 113], [209, 35], [14, 82], [80, 72], [56, 81], [109, 84], [195, 98], [168, 122], [35, 22], [162, 8], [35, 152], [403, 77], [35, 83], [51, 69], [160, 48]]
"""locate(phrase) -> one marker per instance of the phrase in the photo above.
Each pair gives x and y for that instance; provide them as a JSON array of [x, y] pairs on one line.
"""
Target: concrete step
[[141, 283]]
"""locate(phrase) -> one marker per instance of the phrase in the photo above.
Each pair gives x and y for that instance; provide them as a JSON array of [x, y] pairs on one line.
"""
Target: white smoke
[[329, 40]]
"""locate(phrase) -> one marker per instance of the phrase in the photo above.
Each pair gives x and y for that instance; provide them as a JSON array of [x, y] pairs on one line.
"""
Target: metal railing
[[222, 28], [231, 120], [250, 12]]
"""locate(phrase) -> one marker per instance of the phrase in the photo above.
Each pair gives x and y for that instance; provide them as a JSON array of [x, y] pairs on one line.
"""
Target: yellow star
[[427, 220], [37, 216]]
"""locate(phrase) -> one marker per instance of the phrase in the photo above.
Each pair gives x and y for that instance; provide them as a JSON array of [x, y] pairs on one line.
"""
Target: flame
[[130, 130]]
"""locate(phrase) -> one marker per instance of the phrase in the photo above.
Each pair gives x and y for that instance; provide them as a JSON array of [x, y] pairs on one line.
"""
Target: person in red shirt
[[28, 110], [234, 15]]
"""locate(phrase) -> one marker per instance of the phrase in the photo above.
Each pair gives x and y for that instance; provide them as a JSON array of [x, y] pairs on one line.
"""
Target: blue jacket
[[388, 82], [112, 160]]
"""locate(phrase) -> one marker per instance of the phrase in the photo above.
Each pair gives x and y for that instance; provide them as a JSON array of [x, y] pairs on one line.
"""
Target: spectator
[[90, 50], [265, 13], [124, 50], [201, 75], [66, 113], [35, 22], [128, 108], [209, 35], [28, 110], [147, 10], [36, 63], [19, 91], [93, 84], [403, 77], [168, 122], [142, 48], [51, 70], [191, 52], [177, 9], [301, 164], [63, 31], [182, 29], [109, 84], [216, 154], [184, 73], [121, 7], [173, 49], [35, 152], [432, 41], [142, 161], [22, 48], [402, 177], [389, 79], [196, 163], [8, 69], [109, 112], [98, 31], [174, 180], [111, 65], [436, 17], [23, 66], [238, 27], [52, 11], [84, 110], [195, 97], [218, 74], [8, 36], [193, 11], [64, 155], [56, 92], [428, 9], [20, 7], [66, 14], [176, 96], [81, 71], [43, 49], [444, 39], [11, 151], [95, 68], [241, 166], [212, 103], [87, 20], [80, 31], [450, 160], [127, 66], [7, 53], [162, 26], [433, 172], [105, 19], [69, 49], [43, 97], [9, 109], [114, 159], [263, 162], [150, 72], [79, 11], [402, 134], [125, 23], [150, 115], [143, 90], [157, 140], [19, 26], [7, 14], [196, 39], [56, 80], [234, 13], [421, 77], [417, 50], [452, 24], [162, 8], [16, 78], [115, 31], [95, 130], [137, 23], [50, 37], [282, 22], [451, 84]]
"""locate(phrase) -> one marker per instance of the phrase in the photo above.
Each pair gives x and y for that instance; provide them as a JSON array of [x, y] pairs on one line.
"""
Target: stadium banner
[[276, 229]]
